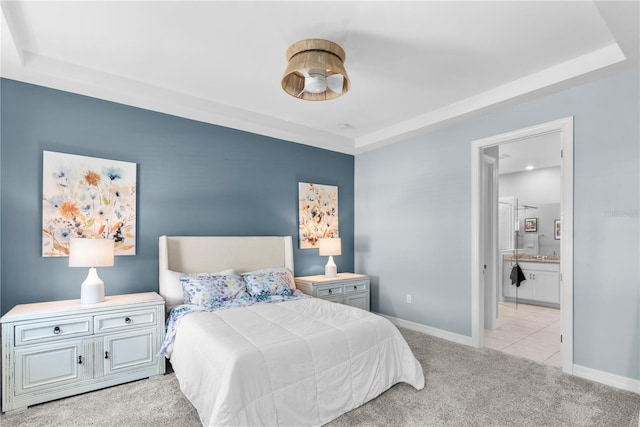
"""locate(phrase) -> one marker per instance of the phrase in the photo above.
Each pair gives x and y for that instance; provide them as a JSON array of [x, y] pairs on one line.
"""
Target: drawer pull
[[56, 330], [330, 291], [355, 288], [106, 354], [79, 360], [127, 320]]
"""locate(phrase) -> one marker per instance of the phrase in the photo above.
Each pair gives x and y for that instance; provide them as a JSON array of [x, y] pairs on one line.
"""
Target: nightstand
[[57, 349], [347, 288]]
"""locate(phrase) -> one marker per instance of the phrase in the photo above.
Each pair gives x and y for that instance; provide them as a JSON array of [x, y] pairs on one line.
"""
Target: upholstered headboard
[[209, 254]]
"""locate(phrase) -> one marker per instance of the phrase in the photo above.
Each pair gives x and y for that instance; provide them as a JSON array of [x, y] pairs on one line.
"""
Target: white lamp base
[[92, 290], [331, 269]]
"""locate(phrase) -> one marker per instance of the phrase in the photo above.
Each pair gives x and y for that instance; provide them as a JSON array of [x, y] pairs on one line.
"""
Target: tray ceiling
[[413, 66]]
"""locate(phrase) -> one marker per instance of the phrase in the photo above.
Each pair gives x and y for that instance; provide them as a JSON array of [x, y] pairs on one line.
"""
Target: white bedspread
[[295, 363]]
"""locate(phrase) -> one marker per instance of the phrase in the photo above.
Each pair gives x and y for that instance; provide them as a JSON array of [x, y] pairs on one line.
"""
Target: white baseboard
[[613, 380], [450, 336]]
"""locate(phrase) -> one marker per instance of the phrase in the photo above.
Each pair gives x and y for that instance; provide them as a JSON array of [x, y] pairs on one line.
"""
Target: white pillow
[[173, 295]]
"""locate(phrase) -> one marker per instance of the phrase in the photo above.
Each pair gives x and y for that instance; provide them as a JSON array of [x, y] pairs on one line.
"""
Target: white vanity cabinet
[[347, 288], [542, 284], [61, 348]]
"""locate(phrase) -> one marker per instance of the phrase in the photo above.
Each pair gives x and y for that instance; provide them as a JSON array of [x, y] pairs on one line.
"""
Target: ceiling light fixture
[[530, 167], [315, 71]]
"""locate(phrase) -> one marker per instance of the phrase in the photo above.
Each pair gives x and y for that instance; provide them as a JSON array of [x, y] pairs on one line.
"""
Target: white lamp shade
[[91, 252], [331, 246]]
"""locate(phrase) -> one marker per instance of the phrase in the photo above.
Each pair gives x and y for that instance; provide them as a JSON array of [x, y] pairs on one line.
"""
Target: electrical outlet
[[408, 298]]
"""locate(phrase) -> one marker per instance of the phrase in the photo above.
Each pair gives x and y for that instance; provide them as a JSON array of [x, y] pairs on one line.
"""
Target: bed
[[300, 361]]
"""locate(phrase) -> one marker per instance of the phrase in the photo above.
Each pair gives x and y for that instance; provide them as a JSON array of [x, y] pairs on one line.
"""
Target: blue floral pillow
[[207, 289], [270, 282]]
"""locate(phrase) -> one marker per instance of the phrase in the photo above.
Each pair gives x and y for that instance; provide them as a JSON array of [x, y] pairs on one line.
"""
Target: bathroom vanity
[[542, 284]]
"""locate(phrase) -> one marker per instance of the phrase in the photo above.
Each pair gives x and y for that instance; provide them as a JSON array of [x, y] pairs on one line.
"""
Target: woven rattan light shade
[[314, 54]]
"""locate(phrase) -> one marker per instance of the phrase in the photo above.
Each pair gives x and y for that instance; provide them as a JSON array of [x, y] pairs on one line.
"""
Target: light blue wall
[[413, 215], [413, 227], [193, 179]]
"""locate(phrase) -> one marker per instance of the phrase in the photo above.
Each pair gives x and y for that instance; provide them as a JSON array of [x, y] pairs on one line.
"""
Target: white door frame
[[565, 128], [489, 254]]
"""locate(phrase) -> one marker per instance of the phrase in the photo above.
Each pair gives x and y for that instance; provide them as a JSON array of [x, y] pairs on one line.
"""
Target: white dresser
[[61, 348], [348, 288]]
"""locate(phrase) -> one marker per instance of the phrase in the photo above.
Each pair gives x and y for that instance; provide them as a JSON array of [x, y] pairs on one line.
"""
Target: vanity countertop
[[533, 258]]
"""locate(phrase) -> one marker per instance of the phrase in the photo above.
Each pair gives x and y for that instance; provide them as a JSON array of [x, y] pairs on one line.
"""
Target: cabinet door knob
[[79, 360], [127, 320], [106, 354], [355, 288], [330, 291], [56, 330]]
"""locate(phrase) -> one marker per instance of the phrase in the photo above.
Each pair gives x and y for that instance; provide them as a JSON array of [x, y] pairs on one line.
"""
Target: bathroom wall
[[541, 189], [547, 213], [533, 187]]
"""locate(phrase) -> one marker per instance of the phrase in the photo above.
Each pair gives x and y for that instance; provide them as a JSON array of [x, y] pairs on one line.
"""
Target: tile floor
[[531, 331]]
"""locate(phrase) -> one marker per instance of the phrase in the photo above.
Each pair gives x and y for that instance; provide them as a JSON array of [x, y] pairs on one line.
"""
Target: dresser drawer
[[125, 320], [346, 288], [356, 287], [330, 291], [53, 330]]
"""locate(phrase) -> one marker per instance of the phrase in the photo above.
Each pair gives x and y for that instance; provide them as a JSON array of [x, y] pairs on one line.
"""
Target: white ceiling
[[413, 65], [539, 152]]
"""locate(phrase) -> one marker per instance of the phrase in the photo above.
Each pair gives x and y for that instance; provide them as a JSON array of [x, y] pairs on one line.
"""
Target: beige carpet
[[464, 387]]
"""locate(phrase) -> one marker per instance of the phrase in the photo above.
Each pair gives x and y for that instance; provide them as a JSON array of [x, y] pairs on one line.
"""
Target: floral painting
[[87, 197], [318, 217]]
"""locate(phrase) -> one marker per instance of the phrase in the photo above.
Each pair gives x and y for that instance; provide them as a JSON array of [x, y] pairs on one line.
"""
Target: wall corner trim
[[613, 380], [429, 330]]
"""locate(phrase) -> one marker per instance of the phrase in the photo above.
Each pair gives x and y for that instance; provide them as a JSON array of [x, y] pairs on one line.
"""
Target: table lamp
[[330, 247], [91, 253]]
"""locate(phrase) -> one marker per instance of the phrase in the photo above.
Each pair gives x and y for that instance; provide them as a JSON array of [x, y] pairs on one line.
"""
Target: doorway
[[484, 232]]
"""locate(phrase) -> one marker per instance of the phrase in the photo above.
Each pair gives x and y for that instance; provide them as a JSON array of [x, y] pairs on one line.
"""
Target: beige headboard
[[208, 254]]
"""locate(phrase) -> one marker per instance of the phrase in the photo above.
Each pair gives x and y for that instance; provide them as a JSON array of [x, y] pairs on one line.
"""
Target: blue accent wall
[[193, 179]]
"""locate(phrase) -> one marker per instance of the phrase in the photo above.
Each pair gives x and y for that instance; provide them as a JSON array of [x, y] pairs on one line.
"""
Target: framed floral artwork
[[318, 213], [87, 197]]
